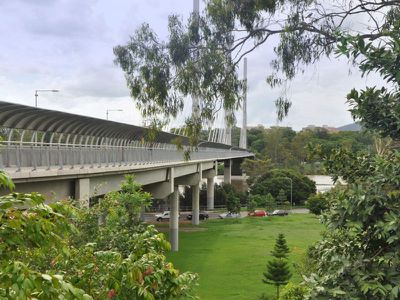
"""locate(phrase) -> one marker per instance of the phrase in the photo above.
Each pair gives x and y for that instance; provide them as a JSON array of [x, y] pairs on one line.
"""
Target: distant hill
[[350, 127]]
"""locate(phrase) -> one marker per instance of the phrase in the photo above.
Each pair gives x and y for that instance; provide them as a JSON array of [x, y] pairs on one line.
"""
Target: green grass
[[230, 255]]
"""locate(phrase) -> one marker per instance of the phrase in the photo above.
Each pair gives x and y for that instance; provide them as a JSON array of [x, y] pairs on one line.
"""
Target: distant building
[[329, 128], [326, 127]]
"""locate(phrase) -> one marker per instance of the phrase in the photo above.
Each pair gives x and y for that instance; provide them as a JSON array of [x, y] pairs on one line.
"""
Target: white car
[[228, 215], [164, 216]]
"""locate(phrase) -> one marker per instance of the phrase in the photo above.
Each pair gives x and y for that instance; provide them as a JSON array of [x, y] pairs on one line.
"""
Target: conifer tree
[[281, 197], [278, 272], [281, 249]]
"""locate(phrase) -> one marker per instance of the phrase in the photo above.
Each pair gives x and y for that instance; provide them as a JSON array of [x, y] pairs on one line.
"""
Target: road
[[149, 217]]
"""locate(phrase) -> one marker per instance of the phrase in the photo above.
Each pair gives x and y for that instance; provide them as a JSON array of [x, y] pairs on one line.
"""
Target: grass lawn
[[230, 255]]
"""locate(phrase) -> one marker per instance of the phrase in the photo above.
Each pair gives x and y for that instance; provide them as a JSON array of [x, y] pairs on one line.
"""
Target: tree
[[279, 179], [270, 202], [232, 202], [201, 55], [317, 203], [58, 251], [358, 257], [134, 199], [278, 145], [281, 197], [278, 272], [255, 139], [281, 147], [251, 205], [255, 167], [281, 249]]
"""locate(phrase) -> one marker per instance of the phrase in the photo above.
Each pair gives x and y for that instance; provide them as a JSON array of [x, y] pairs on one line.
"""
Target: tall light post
[[291, 191], [36, 94], [108, 110]]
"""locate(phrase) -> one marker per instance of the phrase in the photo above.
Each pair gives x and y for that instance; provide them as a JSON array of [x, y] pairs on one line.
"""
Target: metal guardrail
[[18, 155]]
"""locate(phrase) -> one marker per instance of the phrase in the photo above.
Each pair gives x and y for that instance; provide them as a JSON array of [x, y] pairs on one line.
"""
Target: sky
[[68, 45]]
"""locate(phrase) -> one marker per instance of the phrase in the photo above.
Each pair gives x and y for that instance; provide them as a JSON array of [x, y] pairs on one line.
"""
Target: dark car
[[202, 216], [279, 213]]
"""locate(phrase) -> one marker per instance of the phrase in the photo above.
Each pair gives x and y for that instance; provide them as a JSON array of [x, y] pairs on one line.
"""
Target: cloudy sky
[[67, 45]]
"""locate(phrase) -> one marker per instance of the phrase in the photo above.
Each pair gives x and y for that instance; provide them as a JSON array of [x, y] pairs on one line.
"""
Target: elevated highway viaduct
[[62, 155]]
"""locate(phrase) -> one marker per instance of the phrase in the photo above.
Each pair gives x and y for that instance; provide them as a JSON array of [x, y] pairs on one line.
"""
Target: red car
[[258, 213]]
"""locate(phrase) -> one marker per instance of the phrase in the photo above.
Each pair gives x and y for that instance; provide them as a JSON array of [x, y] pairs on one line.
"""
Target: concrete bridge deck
[[62, 155]]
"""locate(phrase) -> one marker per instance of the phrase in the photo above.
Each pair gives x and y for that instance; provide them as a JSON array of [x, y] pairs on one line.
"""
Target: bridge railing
[[18, 155]]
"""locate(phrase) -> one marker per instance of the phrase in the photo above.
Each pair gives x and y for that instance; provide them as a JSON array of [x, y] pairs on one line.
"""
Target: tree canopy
[[282, 147], [278, 181], [200, 56], [358, 256]]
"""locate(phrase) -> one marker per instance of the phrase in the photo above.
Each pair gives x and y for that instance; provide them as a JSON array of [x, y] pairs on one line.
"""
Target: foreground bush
[[293, 291], [358, 257], [58, 251]]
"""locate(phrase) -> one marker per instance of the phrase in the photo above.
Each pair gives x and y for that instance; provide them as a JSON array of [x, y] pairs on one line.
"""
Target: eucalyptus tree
[[358, 258], [201, 55]]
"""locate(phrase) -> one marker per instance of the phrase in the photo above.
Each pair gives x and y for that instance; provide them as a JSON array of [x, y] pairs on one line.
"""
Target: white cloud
[[67, 45]]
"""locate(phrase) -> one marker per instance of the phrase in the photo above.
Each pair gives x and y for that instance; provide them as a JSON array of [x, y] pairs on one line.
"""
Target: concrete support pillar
[[82, 191], [174, 220], [195, 203], [227, 171], [210, 193]]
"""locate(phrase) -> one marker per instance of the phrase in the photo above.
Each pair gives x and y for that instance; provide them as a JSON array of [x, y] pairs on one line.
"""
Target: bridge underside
[[63, 156]]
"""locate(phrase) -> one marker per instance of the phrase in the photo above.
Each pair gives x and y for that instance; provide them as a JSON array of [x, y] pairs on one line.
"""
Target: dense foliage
[[282, 147], [317, 203], [275, 180], [222, 195], [261, 201], [359, 255], [200, 57], [232, 200], [58, 251], [293, 292]]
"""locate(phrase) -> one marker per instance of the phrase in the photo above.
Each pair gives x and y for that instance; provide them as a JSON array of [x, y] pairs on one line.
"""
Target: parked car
[[258, 213], [163, 216], [228, 215], [279, 213], [202, 216]]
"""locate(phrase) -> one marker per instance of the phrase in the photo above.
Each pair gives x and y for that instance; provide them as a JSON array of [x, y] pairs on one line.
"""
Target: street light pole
[[108, 110], [36, 94]]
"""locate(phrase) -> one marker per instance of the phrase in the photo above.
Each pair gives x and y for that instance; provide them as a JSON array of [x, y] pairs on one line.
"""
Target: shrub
[[317, 203], [293, 291], [58, 251]]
